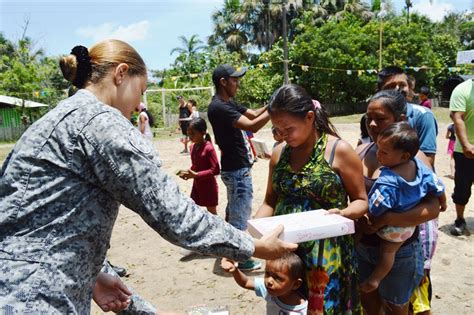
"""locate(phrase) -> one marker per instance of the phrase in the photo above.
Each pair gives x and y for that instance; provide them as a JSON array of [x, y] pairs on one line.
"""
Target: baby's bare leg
[[387, 254]]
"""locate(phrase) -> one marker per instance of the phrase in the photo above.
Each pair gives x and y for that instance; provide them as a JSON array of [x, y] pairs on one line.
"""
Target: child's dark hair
[[151, 119], [425, 90], [296, 267], [294, 100], [193, 102], [393, 100], [402, 137], [200, 125]]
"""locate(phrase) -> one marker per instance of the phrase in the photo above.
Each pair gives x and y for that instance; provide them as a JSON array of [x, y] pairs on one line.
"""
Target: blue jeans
[[400, 283], [239, 197]]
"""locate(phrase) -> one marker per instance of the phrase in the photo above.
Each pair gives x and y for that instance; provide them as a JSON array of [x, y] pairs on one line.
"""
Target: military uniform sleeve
[[125, 165]]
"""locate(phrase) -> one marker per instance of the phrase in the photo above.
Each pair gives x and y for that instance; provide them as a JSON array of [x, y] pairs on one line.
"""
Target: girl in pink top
[[204, 168]]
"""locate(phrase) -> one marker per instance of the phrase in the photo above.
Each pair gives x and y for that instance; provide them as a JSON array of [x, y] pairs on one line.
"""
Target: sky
[[152, 27]]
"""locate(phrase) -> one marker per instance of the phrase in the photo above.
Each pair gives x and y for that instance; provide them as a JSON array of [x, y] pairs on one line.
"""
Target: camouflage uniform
[[60, 190]]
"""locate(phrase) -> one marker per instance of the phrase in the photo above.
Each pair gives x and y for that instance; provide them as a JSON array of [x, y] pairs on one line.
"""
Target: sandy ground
[[160, 273]]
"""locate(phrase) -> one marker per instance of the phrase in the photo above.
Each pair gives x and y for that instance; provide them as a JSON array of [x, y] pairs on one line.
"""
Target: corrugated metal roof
[[18, 102]]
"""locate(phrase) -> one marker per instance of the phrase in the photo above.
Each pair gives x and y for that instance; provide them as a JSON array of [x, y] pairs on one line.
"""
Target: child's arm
[[448, 133], [239, 277], [443, 205]]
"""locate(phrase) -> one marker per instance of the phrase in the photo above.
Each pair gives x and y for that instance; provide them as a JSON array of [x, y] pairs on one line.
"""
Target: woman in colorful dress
[[315, 169]]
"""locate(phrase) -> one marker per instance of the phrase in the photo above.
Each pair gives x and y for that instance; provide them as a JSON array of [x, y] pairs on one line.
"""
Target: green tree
[[230, 27], [19, 76], [352, 44], [459, 25], [357, 8], [188, 52], [27, 74]]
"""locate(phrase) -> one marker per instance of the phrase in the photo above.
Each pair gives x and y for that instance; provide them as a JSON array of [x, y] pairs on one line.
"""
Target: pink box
[[303, 226]]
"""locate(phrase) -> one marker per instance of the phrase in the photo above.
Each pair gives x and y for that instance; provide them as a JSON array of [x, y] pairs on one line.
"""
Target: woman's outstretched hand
[[110, 293], [270, 247]]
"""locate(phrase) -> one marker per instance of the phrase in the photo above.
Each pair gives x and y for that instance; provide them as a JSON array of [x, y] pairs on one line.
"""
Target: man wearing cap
[[229, 121]]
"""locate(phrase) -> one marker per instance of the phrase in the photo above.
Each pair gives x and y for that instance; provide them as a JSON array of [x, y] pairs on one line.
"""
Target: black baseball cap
[[226, 70]]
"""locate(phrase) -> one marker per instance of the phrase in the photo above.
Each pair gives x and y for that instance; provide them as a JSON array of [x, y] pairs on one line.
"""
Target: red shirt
[[426, 103], [205, 163]]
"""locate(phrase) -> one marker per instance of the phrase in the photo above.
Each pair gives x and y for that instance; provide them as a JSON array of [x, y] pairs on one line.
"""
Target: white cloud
[[435, 11], [129, 33]]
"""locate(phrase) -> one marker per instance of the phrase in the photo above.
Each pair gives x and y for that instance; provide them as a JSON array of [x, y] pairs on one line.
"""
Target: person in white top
[[144, 122]]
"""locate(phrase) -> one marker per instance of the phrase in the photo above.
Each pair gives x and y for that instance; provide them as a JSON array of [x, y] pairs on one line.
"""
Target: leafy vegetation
[[332, 45]]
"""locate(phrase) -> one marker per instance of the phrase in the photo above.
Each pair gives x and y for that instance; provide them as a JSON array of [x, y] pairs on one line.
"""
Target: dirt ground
[[160, 273]]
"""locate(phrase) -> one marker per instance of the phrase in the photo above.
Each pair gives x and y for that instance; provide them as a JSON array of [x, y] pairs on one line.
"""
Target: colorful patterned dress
[[333, 283]]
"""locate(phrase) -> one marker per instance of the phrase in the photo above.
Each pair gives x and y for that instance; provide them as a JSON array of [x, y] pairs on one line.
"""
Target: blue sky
[[151, 26]]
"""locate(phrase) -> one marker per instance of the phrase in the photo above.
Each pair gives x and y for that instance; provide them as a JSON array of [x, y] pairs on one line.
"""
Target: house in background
[[16, 115]]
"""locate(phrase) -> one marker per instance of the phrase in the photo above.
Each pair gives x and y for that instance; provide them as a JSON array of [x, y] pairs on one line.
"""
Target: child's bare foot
[[369, 285]]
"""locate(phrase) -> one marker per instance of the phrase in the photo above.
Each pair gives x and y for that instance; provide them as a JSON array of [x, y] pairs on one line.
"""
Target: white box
[[261, 148], [303, 226], [208, 310]]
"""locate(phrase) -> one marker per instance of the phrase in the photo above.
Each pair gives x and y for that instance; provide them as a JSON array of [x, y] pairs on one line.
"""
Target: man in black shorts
[[185, 110]]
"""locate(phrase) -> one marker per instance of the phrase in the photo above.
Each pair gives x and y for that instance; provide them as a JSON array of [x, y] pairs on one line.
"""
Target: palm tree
[[326, 9], [265, 19], [408, 5], [6, 47], [230, 27], [189, 47]]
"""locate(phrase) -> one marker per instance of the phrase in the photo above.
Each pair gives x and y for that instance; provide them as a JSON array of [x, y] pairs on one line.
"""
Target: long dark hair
[[294, 100], [200, 125]]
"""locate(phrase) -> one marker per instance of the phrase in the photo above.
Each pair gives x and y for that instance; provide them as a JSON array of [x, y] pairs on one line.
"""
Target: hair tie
[[84, 67], [316, 104]]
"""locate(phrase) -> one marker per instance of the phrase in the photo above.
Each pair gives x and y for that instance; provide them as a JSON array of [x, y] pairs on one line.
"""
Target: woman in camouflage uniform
[[63, 182]]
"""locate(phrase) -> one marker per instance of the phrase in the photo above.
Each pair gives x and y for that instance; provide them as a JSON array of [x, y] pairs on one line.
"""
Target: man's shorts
[[463, 178], [184, 127]]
